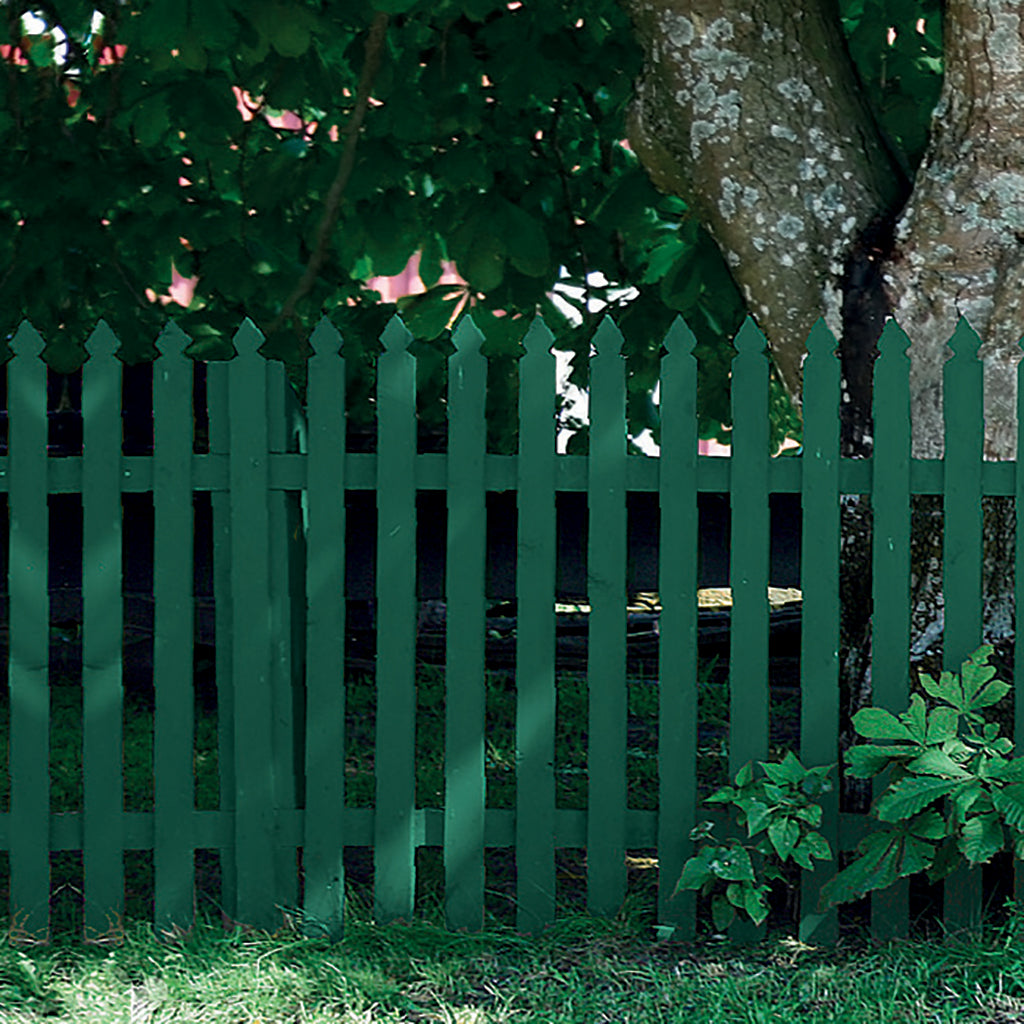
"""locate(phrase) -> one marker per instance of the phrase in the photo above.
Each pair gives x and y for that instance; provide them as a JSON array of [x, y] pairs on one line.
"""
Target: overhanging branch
[[332, 205]]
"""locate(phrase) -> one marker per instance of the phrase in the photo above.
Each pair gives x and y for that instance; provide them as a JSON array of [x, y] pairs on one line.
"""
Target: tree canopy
[[486, 133]]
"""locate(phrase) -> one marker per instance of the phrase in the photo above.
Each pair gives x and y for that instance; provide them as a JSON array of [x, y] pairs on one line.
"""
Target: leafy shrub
[[930, 759]]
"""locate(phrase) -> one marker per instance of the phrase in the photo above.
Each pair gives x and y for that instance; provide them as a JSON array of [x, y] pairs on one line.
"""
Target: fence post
[[283, 415], [394, 852], [173, 636], [890, 619], [536, 556], [465, 701], [606, 643], [256, 787], [962, 560], [324, 820], [749, 556], [677, 628], [220, 502], [28, 660], [819, 627], [102, 609]]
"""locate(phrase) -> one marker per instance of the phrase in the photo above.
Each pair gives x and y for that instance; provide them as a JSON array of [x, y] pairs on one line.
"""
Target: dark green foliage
[[931, 760], [493, 141]]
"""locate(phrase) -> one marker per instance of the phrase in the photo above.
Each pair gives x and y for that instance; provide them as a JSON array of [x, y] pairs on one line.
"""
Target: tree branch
[[332, 205]]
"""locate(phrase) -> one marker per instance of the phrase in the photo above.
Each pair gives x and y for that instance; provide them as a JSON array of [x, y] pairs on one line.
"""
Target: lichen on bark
[[762, 131]]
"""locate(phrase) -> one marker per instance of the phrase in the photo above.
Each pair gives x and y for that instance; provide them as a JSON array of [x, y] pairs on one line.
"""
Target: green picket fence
[[263, 447]]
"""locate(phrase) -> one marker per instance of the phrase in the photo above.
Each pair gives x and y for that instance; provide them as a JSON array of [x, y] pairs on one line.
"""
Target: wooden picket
[[280, 597], [28, 838], [606, 649], [465, 702], [102, 820], [749, 538], [677, 646], [394, 839], [535, 639], [819, 634], [962, 560], [890, 622], [325, 830], [173, 627]]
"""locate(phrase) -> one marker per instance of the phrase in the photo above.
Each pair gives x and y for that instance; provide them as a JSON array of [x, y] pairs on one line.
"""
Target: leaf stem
[[332, 205]]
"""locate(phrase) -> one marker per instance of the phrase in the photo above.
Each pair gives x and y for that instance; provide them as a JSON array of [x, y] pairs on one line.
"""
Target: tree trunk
[[753, 113]]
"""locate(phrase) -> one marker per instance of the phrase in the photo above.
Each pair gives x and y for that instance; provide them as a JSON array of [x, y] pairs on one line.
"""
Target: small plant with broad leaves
[[931, 761]]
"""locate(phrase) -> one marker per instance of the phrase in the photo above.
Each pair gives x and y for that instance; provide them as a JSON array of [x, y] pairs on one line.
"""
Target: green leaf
[[289, 27], [191, 52], [910, 795], [879, 724], [479, 253], [937, 762], [40, 50], [151, 121], [981, 838], [1009, 802], [525, 242], [722, 913], [429, 313], [394, 6], [430, 261], [784, 836]]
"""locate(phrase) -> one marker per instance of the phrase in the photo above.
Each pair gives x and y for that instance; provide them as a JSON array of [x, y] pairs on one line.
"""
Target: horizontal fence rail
[[278, 477]]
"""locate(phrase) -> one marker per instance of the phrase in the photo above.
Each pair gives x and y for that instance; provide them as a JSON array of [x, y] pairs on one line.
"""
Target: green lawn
[[582, 969]]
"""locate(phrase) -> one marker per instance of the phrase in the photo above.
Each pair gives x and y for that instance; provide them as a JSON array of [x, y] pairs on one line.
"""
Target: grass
[[581, 969]]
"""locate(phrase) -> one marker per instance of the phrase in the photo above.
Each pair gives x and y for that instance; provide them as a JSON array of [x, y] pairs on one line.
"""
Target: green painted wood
[[173, 632], [28, 679], [394, 835], [285, 678], [220, 501], [678, 811], [748, 572], [465, 704], [536, 556], [323, 823], [819, 583], [890, 621], [606, 644], [1018, 602], [255, 773], [963, 383], [102, 693]]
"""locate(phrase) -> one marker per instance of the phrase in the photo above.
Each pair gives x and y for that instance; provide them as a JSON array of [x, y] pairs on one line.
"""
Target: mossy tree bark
[[753, 113]]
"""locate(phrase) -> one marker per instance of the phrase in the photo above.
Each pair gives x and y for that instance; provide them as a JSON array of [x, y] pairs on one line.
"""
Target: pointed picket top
[[172, 341], [750, 340], [539, 340], [893, 341], [27, 341], [467, 337], [248, 338], [679, 339], [102, 342], [821, 342], [607, 338], [965, 341], [467, 389], [537, 397], [396, 336], [678, 406], [821, 391], [891, 402], [325, 339]]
